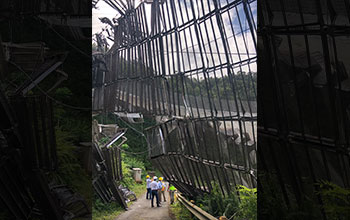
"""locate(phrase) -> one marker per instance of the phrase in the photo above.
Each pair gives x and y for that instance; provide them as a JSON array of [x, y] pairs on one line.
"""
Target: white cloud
[[103, 10]]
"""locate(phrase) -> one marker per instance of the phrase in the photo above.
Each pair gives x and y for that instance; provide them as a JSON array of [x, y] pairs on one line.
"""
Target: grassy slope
[[111, 211]]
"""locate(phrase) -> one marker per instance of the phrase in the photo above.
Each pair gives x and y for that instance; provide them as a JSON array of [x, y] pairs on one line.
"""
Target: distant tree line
[[243, 84]]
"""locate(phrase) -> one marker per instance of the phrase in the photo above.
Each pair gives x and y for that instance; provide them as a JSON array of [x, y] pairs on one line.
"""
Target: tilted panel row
[[194, 154], [303, 100], [195, 60], [35, 118], [200, 64]]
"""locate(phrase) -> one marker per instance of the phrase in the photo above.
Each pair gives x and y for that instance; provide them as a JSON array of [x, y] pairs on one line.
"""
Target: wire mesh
[[196, 61], [303, 126]]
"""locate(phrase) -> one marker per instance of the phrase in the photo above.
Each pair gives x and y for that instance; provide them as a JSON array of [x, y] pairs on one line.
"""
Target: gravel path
[[142, 210]]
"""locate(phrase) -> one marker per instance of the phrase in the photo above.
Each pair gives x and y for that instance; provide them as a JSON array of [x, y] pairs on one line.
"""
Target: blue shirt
[[148, 181], [160, 185]]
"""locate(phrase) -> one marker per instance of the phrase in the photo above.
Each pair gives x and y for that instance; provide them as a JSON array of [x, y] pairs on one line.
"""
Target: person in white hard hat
[[154, 189]]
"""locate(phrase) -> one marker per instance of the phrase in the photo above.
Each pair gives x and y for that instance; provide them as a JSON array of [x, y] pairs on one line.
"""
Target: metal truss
[[194, 64]]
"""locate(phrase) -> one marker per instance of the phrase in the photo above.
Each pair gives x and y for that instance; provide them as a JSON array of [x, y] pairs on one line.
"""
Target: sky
[[104, 10]]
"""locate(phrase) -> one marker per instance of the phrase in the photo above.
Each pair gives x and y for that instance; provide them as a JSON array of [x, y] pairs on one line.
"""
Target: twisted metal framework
[[28, 151], [30, 7], [193, 63], [304, 100]]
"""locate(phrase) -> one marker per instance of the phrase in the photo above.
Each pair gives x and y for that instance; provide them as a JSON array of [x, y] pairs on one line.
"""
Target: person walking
[[148, 182], [163, 189], [171, 193], [154, 190]]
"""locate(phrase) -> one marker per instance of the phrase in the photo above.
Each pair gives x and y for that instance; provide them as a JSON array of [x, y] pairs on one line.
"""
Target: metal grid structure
[[107, 174], [72, 8], [19, 201], [35, 118], [194, 64], [303, 98], [27, 129]]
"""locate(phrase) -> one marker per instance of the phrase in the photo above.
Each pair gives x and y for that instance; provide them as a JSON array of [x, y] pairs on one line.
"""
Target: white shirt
[[154, 185], [148, 181]]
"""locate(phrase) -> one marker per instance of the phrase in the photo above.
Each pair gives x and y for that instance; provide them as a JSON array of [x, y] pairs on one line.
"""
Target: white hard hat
[[154, 177]]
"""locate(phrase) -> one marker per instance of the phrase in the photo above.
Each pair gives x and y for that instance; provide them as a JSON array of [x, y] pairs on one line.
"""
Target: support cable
[[67, 41]]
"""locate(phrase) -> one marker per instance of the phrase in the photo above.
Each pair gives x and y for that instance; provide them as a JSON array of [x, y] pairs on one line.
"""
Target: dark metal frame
[[303, 98], [107, 174], [155, 69]]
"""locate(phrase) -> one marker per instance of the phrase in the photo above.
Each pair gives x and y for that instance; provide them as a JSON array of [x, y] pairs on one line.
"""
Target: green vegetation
[[244, 83], [336, 200], [72, 127], [102, 211], [217, 205], [71, 124], [130, 159], [248, 206], [69, 169], [180, 212], [136, 142], [273, 206], [240, 204]]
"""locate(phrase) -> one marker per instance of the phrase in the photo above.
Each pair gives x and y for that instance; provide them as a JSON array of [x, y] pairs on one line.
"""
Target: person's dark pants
[[155, 194], [148, 195]]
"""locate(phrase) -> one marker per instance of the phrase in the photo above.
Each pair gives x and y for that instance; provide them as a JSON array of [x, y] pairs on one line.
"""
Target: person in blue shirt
[[148, 181], [160, 186]]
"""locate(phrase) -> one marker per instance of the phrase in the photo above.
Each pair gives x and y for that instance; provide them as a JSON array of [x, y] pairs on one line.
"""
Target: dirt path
[[142, 210]]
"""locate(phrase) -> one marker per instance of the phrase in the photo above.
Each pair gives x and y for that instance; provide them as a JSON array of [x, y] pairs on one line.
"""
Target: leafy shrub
[[127, 180], [132, 162], [103, 211], [248, 205], [69, 169], [181, 212], [230, 206], [336, 200], [217, 205]]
